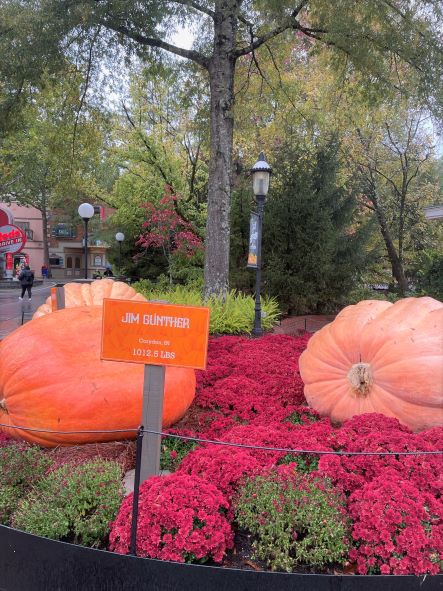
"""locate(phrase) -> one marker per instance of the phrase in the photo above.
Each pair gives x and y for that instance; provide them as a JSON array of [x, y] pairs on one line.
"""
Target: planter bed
[[29, 562], [345, 513]]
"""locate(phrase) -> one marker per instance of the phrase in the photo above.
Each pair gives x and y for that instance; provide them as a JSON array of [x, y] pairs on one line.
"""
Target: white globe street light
[[86, 211], [119, 237]]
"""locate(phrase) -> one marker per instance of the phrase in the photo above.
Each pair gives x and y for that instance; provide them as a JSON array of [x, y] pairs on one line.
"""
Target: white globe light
[[119, 236], [86, 211]]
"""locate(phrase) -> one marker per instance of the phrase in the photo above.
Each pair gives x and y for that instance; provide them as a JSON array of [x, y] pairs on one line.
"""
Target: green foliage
[[50, 159], [173, 450], [298, 418], [233, 314], [430, 279], [360, 293], [303, 463], [158, 147], [295, 519], [73, 502], [176, 294], [21, 466]]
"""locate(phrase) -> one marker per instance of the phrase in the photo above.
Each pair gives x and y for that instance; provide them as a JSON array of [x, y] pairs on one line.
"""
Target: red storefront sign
[[12, 239]]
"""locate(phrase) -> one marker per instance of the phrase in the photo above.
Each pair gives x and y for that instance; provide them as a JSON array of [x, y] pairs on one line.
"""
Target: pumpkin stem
[[3, 405], [360, 378]]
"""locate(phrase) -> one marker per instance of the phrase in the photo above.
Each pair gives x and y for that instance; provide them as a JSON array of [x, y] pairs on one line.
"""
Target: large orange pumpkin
[[92, 294], [52, 378], [379, 357]]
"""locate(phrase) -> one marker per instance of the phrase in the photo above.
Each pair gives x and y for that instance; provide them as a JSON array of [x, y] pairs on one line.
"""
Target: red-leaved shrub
[[397, 528], [256, 374], [5, 439], [378, 434], [225, 467], [181, 518]]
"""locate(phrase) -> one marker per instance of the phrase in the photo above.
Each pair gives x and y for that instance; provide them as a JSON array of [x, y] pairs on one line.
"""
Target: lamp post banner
[[253, 240]]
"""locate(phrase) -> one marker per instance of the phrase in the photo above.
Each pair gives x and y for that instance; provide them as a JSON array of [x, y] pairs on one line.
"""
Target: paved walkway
[[295, 325], [15, 312]]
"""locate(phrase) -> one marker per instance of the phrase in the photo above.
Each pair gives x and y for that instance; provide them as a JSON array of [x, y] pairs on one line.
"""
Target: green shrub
[[21, 466], [295, 519], [74, 503], [360, 293], [430, 277], [173, 450], [235, 314], [365, 293], [304, 463], [232, 315]]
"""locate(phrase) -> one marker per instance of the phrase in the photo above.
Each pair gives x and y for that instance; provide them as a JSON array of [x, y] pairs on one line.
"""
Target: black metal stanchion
[[138, 461]]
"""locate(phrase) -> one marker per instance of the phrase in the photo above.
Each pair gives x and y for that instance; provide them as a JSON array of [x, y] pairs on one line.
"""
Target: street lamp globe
[[261, 172], [120, 237], [86, 211]]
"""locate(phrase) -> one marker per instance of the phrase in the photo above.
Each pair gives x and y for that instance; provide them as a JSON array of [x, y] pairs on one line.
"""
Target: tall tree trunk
[[45, 237], [396, 263], [221, 80]]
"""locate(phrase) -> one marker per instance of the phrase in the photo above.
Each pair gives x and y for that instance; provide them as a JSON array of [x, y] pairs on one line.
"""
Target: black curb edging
[[32, 563]]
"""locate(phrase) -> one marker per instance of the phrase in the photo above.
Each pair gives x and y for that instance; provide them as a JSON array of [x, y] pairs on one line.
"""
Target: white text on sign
[[155, 320]]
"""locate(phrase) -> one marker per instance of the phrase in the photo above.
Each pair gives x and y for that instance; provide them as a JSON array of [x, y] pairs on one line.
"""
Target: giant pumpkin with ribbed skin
[[379, 357], [52, 378], [92, 294]]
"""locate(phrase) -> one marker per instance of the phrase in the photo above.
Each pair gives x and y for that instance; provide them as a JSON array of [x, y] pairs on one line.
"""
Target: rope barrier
[[231, 444], [67, 432], [297, 451]]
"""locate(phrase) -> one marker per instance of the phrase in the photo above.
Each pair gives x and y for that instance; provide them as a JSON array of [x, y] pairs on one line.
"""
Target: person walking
[[26, 279]]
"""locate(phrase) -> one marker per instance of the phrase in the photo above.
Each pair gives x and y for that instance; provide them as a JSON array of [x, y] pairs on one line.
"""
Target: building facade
[[65, 245], [29, 220]]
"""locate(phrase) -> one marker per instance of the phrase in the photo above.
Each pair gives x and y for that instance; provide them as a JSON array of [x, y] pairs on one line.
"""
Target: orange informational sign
[[53, 299], [155, 334]]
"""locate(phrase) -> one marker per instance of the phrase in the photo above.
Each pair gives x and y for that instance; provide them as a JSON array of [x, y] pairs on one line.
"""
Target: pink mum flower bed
[[251, 394]]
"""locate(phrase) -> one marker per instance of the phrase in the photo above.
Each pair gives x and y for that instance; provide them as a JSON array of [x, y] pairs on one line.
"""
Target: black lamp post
[[119, 237], [261, 172], [86, 211]]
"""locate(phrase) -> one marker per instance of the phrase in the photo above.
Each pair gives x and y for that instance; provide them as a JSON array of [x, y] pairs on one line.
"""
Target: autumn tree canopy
[[379, 38]]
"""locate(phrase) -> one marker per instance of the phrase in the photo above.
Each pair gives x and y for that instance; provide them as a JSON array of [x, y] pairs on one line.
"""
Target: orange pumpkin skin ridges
[[52, 378], [379, 357], [92, 294]]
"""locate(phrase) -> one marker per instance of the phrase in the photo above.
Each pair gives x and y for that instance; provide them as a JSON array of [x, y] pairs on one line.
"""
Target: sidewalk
[[295, 325], [15, 312]]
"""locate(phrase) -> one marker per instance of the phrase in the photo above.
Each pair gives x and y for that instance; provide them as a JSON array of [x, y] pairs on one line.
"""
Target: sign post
[[58, 297], [156, 335], [152, 414]]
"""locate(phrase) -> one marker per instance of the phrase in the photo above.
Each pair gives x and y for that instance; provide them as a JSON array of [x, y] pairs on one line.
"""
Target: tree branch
[[190, 54], [290, 23], [148, 148], [85, 90], [196, 6]]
